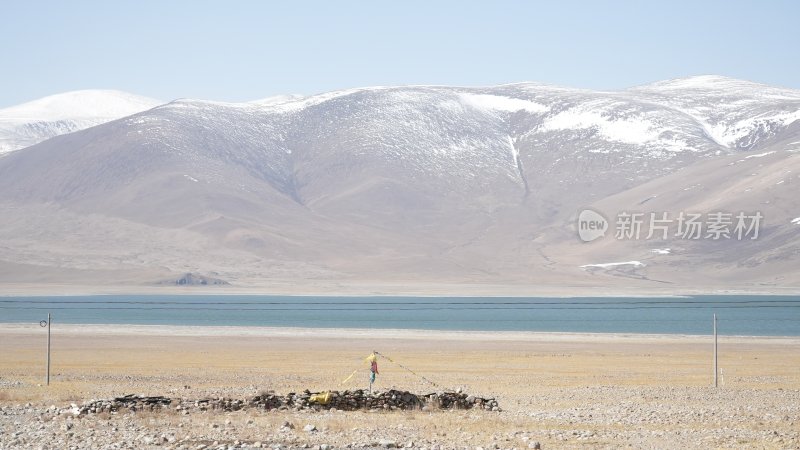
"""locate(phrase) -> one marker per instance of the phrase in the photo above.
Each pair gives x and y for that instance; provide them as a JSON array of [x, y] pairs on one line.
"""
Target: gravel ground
[[554, 392], [611, 417]]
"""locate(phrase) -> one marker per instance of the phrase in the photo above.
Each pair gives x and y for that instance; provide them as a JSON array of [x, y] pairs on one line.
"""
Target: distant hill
[[33, 122], [413, 186]]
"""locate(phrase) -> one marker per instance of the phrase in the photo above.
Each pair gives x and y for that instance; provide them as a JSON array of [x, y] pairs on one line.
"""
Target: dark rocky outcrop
[[194, 279]]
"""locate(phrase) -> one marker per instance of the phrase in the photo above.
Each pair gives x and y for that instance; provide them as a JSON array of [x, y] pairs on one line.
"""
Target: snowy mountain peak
[[697, 82], [734, 113], [716, 85], [35, 121], [84, 104], [277, 100]]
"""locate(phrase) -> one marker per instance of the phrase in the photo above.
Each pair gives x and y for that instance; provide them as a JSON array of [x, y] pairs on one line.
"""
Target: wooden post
[[715, 351], [48, 348]]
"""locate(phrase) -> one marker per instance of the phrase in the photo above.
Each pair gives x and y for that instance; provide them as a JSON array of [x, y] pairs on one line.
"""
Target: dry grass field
[[562, 391]]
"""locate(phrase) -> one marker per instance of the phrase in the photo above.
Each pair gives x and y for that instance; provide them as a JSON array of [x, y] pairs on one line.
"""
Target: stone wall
[[345, 401]]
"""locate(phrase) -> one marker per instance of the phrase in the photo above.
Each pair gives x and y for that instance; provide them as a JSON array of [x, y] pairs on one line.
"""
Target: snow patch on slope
[[631, 127], [614, 264], [502, 103], [299, 103], [730, 134], [759, 155], [627, 130]]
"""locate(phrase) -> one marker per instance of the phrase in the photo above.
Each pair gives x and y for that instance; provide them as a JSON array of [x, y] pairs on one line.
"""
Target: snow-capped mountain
[[422, 182], [734, 113], [33, 122]]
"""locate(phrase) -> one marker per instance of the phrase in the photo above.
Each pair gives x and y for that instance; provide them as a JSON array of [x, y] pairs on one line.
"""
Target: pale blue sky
[[243, 50]]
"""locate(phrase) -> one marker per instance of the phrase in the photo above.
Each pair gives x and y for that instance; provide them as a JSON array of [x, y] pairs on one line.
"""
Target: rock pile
[[307, 400], [463, 401], [345, 401], [127, 402]]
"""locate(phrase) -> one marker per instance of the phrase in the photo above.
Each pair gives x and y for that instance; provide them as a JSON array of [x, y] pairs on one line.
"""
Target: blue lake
[[737, 314]]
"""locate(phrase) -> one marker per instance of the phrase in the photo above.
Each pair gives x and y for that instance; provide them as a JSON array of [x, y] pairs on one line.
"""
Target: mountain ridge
[[417, 184]]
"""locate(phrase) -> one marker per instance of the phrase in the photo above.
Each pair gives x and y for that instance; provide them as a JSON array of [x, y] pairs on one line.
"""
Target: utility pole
[[47, 324], [715, 351]]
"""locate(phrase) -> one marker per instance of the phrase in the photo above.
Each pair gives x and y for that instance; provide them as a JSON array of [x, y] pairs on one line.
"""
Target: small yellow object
[[322, 398]]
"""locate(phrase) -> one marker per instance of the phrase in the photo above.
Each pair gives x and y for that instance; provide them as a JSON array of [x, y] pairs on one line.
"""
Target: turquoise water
[[737, 314]]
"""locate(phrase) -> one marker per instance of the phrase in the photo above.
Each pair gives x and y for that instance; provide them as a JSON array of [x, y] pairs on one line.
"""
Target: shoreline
[[25, 328], [423, 290], [179, 292]]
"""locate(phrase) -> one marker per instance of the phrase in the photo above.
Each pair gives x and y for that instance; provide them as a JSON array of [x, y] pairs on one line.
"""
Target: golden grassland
[[81, 360], [530, 375]]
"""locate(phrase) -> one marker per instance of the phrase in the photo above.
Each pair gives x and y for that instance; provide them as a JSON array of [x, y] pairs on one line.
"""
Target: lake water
[[737, 314]]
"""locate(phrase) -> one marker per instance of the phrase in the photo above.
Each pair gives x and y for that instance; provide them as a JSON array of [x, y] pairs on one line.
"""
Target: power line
[[407, 369]]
